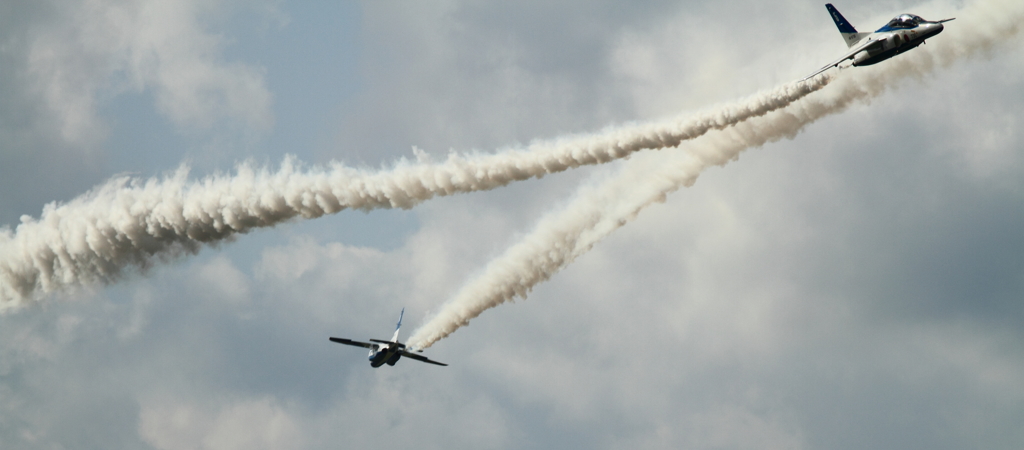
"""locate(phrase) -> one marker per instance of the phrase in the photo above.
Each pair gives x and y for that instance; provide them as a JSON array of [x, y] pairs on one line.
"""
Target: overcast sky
[[860, 285]]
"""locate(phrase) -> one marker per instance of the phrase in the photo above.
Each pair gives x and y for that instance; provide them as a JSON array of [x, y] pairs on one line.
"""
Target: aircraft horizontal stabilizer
[[379, 341]]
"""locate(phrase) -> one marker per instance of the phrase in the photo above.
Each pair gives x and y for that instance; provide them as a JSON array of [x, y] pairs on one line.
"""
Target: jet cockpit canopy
[[905, 21]]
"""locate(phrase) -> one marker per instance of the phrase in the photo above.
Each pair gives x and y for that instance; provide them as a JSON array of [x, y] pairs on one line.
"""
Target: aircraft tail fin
[[399, 326], [850, 34]]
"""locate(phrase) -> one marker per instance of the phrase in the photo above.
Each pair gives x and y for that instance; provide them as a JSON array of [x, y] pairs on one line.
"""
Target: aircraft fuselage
[[384, 355], [894, 41]]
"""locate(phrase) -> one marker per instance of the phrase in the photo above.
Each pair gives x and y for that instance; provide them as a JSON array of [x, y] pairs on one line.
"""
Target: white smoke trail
[[561, 237], [130, 222]]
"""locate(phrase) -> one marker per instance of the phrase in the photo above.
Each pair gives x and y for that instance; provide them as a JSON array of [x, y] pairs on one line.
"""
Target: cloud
[[89, 51], [247, 424], [856, 287], [224, 280], [73, 73]]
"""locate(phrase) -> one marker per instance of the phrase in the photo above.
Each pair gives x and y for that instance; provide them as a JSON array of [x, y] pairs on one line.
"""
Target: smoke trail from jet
[[598, 210], [129, 222], [561, 237]]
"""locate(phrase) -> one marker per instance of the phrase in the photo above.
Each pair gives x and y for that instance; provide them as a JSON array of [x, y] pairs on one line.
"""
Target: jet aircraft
[[902, 33], [388, 352]]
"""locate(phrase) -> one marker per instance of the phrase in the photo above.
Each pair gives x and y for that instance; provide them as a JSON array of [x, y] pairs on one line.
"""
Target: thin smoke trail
[[562, 236], [133, 223]]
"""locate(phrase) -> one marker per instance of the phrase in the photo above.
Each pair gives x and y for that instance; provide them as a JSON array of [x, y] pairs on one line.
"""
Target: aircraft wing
[[381, 341], [420, 358], [869, 43], [351, 342]]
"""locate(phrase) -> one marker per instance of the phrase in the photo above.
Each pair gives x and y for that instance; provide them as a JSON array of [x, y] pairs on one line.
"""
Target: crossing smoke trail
[[562, 236], [132, 223]]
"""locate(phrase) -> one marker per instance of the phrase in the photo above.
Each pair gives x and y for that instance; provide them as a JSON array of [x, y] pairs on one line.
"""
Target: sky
[[858, 283]]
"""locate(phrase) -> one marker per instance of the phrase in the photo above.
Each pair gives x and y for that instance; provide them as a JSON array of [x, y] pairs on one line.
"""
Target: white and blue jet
[[902, 33], [387, 352]]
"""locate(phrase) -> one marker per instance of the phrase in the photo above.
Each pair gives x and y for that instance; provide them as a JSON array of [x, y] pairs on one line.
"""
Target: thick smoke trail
[[562, 236], [130, 223]]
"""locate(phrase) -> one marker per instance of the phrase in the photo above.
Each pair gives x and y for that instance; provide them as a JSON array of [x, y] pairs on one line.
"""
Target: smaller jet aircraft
[[389, 352], [902, 33]]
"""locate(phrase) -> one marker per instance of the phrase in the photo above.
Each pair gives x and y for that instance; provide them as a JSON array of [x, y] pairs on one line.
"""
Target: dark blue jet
[[386, 352]]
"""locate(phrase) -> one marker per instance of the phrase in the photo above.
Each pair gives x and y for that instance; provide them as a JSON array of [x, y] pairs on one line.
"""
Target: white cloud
[[92, 50], [247, 424], [222, 279]]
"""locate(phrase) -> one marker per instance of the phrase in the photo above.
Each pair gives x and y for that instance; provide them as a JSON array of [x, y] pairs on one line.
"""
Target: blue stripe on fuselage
[[888, 28]]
